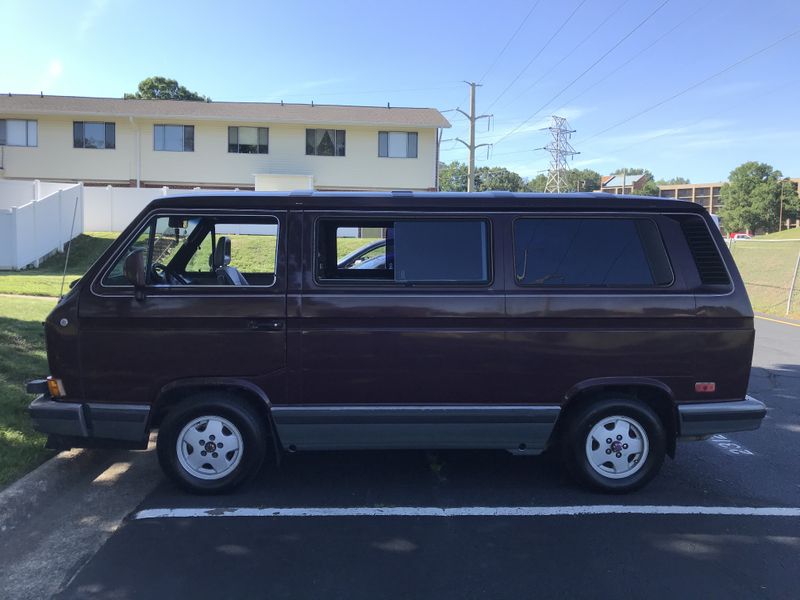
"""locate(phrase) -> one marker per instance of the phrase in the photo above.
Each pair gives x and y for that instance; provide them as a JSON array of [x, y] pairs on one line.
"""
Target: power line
[[704, 119], [608, 75], [511, 39], [571, 52], [717, 112], [542, 49], [585, 71], [695, 85]]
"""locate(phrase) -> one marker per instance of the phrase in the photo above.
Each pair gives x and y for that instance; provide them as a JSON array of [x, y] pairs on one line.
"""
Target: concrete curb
[[56, 517]]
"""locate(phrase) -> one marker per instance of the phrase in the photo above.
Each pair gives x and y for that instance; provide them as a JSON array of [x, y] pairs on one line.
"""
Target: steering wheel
[[163, 273]]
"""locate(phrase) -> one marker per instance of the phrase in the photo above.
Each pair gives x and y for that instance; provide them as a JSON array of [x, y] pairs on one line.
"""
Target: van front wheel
[[211, 442], [615, 445]]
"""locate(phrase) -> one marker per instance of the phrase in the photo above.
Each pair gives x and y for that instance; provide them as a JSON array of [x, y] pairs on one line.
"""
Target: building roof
[[260, 112], [616, 180]]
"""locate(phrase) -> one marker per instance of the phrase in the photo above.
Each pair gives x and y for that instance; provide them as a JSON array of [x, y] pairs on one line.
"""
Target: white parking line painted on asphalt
[[464, 511], [728, 445]]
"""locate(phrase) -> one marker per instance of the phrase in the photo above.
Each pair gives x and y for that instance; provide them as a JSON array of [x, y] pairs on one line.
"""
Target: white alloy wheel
[[209, 447], [617, 447]]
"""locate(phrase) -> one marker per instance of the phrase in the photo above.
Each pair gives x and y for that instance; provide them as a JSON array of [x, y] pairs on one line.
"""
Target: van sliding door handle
[[269, 325]]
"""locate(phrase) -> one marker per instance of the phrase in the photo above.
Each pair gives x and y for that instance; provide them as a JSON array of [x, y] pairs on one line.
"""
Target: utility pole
[[471, 146], [560, 151], [780, 215]]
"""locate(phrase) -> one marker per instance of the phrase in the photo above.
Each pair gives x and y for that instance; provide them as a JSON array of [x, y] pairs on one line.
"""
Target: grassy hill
[[786, 234]]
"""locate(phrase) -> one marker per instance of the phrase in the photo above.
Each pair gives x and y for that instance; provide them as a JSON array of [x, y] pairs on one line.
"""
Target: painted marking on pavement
[[728, 445], [464, 511], [778, 321]]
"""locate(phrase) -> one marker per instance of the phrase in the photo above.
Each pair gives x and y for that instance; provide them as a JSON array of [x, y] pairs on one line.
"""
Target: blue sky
[[416, 53]]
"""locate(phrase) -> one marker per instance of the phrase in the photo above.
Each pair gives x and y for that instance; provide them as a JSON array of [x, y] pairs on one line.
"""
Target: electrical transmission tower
[[560, 151]]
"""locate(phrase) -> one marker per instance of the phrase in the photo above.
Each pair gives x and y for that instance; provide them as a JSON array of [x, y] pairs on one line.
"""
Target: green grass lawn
[[46, 280], [786, 234], [22, 352], [767, 269], [22, 358]]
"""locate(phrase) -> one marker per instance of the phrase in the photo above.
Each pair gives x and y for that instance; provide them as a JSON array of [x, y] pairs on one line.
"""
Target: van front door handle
[[267, 325]]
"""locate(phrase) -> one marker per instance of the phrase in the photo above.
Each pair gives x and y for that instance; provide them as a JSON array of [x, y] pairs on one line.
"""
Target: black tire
[[576, 436], [251, 428]]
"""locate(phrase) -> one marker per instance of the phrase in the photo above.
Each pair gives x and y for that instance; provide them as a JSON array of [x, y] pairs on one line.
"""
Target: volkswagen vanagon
[[602, 327]]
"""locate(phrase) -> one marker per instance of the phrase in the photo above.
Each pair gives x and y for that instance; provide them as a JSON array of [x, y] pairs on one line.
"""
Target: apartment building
[[245, 145]]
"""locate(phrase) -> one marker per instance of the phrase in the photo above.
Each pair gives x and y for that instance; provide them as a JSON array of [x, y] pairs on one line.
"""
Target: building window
[[325, 142], [590, 253], [248, 140], [173, 138], [18, 132], [397, 144], [86, 134]]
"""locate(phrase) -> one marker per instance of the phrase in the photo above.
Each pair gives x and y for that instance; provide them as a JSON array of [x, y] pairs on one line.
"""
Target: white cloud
[[89, 17], [571, 113], [53, 73]]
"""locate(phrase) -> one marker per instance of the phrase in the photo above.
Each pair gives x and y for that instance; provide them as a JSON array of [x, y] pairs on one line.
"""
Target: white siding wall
[[54, 158]]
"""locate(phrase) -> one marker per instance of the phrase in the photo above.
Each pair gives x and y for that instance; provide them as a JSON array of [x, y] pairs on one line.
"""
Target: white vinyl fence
[[36, 220], [36, 216], [113, 208]]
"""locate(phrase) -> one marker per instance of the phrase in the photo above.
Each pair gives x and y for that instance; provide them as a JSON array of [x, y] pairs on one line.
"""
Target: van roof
[[400, 200]]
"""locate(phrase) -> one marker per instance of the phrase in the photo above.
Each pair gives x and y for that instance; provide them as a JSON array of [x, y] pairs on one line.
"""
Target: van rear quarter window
[[590, 252]]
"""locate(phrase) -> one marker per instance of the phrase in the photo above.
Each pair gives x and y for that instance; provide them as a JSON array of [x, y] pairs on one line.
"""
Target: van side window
[[404, 250], [185, 250], [590, 252]]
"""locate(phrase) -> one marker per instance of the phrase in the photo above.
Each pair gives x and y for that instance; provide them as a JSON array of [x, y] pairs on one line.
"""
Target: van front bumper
[[90, 424], [707, 418]]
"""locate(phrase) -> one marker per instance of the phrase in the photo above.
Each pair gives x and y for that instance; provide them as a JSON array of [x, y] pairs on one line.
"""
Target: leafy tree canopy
[[453, 177], [583, 180], [650, 188], [498, 178], [536, 184], [751, 198], [161, 88], [632, 171], [673, 181]]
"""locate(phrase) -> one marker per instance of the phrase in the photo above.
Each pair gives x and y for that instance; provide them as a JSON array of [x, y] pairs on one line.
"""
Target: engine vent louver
[[704, 250]]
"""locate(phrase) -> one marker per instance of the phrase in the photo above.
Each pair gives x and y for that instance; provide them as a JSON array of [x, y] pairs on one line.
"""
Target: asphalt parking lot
[[504, 536]]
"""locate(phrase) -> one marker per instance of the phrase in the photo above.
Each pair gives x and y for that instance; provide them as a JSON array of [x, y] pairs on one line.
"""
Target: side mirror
[[134, 271]]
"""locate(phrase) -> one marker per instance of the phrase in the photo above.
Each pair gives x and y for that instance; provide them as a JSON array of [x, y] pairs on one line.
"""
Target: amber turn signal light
[[55, 387]]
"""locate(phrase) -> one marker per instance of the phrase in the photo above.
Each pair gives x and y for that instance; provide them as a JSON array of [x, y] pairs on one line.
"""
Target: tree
[[673, 181], [650, 188], [632, 171], [537, 184], [161, 88], [498, 178], [453, 177], [583, 180], [751, 198]]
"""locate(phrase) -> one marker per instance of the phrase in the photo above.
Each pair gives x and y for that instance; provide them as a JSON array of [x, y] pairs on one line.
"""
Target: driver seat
[[226, 274]]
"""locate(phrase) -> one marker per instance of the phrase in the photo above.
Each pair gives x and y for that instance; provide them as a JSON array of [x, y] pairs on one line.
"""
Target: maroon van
[[604, 326]]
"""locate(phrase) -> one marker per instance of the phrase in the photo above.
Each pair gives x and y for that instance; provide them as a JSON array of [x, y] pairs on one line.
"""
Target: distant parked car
[[366, 255], [741, 236]]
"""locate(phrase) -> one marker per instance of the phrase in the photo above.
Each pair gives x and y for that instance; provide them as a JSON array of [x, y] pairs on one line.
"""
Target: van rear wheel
[[615, 445], [211, 442]]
